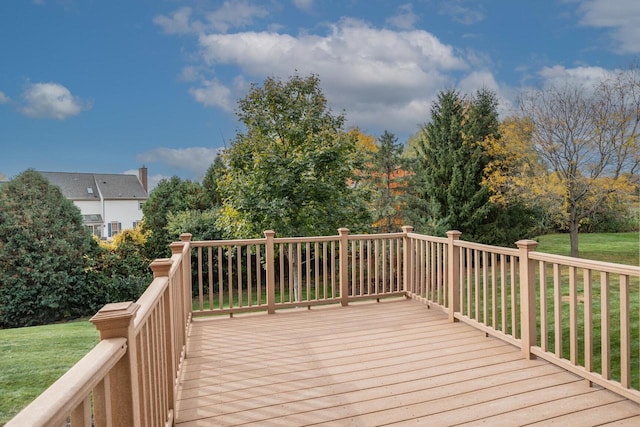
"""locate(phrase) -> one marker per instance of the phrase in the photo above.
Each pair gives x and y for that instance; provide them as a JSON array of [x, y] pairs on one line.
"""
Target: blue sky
[[107, 86]]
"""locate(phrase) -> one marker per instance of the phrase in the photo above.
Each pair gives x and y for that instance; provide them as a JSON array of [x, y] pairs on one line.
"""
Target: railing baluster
[[238, 250], [494, 291], [249, 277], [307, 248], [625, 333], [220, 279], [588, 320], [210, 276], [544, 327], [200, 285], [230, 276], [557, 310], [573, 316], [514, 299], [503, 290], [605, 338]]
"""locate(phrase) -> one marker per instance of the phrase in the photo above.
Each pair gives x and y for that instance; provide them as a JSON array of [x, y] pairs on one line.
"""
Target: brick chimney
[[142, 176]]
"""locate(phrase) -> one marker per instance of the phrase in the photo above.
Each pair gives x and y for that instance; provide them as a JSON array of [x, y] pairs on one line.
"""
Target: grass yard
[[621, 248], [33, 358]]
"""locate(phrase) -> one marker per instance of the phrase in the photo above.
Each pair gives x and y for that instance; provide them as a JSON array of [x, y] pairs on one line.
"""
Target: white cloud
[[4, 99], [305, 5], [363, 70], [578, 76], [51, 100], [195, 159], [621, 16], [232, 14], [461, 13], [235, 14], [178, 23], [212, 93], [405, 19]]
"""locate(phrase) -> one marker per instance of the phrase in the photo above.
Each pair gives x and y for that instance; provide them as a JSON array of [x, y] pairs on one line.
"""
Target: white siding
[[89, 207], [126, 212]]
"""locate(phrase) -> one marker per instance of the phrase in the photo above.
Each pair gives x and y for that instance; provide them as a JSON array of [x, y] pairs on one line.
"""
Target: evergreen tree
[[42, 253], [452, 161], [388, 180]]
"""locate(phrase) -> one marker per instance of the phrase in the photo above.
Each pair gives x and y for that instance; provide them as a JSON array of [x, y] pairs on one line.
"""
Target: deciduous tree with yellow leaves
[[587, 139]]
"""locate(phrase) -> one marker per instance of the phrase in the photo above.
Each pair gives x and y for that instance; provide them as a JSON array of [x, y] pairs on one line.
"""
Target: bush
[[42, 253]]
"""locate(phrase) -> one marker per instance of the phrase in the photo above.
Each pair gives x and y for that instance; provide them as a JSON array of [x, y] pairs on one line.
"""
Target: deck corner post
[[185, 245], [271, 276], [407, 255], [344, 266], [527, 297], [453, 274], [116, 320], [161, 267]]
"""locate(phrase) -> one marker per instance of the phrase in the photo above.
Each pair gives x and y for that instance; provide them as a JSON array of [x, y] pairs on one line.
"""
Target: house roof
[[89, 186]]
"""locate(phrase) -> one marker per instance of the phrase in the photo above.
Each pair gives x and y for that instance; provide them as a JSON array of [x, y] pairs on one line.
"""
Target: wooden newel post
[[116, 320], [407, 258], [453, 274], [186, 274], [527, 297], [271, 274], [344, 266], [161, 267]]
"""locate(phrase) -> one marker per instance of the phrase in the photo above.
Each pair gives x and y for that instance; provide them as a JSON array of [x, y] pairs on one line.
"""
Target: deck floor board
[[390, 363]]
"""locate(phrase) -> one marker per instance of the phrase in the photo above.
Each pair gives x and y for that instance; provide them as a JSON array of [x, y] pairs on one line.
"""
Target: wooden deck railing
[[130, 377], [235, 276], [549, 306]]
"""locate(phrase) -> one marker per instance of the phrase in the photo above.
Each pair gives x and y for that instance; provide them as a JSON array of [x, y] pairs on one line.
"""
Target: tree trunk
[[573, 235]]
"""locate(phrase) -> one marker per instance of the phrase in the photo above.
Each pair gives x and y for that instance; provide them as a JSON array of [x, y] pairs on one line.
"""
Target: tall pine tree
[[452, 160]]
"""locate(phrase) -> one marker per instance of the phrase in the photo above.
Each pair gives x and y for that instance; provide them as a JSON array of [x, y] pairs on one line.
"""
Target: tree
[[516, 176], [170, 196], [211, 182], [452, 162], [588, 139], [42, 253], [387, 178], [289, 171]]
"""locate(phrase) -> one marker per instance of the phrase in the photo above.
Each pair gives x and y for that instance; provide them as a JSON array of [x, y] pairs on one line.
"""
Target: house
[[109, 203]]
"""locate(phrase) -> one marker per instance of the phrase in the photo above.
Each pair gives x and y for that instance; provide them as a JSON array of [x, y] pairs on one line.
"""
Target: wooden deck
[[370, 364]]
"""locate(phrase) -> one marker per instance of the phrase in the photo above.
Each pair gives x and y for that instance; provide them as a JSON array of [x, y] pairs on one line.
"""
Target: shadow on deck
[[393, 362]]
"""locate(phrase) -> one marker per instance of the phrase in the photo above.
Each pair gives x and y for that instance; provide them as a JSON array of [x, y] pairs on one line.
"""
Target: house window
[[114, 228], [140, 205], [94, 229], [135, 224]]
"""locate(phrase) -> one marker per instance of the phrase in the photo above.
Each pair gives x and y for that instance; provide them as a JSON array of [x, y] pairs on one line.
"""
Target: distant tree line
[[567, 162]]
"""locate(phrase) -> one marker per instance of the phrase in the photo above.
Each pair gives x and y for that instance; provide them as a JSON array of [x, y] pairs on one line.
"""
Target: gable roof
[[89, 186]]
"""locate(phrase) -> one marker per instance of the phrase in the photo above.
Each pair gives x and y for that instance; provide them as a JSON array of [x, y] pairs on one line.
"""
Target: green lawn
[[33, 358], [621, 248]]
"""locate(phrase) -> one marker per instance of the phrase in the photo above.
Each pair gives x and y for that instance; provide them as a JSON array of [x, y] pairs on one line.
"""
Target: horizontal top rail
[[206, 243], [147, 301], [482, 247], [608, 267], [312, 239], [49, 409], [375, 236], [428, 238]]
